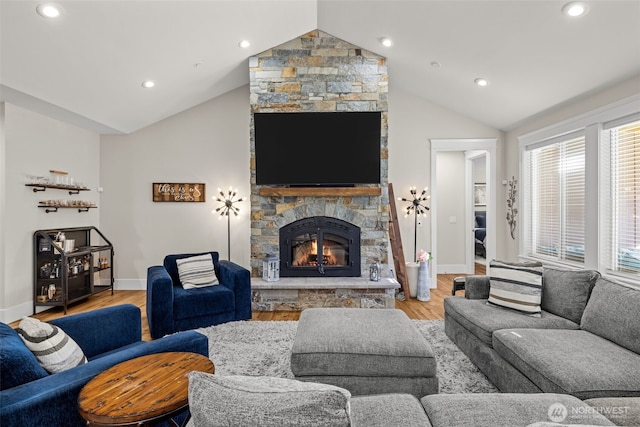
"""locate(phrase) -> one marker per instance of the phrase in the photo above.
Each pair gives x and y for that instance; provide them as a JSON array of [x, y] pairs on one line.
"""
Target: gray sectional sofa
[[586, 342], [576, 364], [267, 401]]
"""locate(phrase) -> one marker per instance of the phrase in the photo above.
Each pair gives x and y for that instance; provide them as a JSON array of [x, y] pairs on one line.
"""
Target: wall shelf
[[43, 187], [50, 209], [319, 191]]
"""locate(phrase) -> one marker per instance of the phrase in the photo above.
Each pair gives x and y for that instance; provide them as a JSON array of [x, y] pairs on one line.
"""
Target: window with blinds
[[556, 191], [622, 147]]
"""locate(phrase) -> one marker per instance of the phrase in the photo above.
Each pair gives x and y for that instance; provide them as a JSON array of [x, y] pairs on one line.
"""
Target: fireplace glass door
[[317, 247]]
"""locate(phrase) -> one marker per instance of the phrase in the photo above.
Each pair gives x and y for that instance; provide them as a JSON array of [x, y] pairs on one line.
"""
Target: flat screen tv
[[317, 149]]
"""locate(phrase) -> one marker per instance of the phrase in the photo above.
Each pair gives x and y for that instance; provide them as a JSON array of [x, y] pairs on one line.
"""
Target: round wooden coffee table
[[141, 391]]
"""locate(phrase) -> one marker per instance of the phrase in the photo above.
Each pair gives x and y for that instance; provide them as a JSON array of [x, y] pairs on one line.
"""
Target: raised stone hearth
[[299, 293]]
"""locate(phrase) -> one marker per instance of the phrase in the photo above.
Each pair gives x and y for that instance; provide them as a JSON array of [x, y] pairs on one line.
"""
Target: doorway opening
[[453, 240]]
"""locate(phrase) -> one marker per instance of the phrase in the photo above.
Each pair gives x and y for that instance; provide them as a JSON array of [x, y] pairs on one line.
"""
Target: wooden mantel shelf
[[319, 191]]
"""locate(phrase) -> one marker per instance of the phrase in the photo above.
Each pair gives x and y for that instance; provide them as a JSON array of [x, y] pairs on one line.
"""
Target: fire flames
[[306, 254]]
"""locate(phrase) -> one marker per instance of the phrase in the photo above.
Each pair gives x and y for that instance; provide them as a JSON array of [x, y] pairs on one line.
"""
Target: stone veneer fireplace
[[318, 72]]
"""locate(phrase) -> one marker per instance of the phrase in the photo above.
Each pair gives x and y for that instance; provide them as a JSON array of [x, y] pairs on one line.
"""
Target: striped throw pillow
[[55, 350], [197, 271], [517, 286]]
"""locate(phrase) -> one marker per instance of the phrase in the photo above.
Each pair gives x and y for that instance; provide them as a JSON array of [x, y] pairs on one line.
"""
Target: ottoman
[[366, 351]]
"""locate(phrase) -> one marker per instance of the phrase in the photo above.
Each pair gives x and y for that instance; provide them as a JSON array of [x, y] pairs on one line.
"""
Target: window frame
[[527, 235], [607, 252], [591, 124]]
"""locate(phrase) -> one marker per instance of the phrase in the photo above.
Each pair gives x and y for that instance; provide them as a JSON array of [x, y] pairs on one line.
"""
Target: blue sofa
[[32, 397], [171, 308]]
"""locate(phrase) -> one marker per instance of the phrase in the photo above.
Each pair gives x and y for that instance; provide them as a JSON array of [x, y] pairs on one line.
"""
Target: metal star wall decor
[[418, 208], [228, 200]]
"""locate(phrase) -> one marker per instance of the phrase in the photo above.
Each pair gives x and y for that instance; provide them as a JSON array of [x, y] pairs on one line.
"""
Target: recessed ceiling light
[[481, 82], [435, 64], [386, 42], [244, 44], [48, 10], [575, 9], [148, 84]]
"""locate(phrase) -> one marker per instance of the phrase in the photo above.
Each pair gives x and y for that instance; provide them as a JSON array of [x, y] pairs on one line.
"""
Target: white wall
[[210, 143], [479, 169], [33, 145], [412, 123], [206, 144], [3, 224], [451, 235]]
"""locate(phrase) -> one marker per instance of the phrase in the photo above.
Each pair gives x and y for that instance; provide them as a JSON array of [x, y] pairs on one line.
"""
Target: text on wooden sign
[[178, 192]]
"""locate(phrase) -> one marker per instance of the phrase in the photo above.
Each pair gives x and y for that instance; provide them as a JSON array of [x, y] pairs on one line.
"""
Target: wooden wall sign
[[178, 192]]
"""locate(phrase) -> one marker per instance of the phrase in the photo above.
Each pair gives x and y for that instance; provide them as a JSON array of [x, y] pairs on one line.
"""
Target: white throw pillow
[[517, 286], [55, 350], [196, 271], [238, 400]]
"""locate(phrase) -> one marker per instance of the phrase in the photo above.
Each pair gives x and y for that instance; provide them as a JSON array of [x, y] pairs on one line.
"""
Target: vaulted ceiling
[[87, 66]]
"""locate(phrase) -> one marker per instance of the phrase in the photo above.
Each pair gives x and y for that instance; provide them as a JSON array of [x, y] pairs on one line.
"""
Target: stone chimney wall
[[312, 73]]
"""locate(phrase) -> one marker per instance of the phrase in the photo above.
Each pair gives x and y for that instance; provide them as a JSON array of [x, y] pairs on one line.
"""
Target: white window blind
[[556, 191], [621, 144]]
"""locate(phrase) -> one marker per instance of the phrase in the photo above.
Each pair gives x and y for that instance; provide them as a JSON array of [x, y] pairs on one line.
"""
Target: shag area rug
[[264, 348]]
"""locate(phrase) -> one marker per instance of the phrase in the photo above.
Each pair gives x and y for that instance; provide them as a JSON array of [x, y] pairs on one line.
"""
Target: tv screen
[[317, 149]]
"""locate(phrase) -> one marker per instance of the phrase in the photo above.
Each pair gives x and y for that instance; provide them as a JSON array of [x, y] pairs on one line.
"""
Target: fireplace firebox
[[320, 246]]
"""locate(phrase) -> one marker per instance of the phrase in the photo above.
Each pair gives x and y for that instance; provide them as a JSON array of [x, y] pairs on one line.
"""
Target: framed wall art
[[480, 194], [178, 192]]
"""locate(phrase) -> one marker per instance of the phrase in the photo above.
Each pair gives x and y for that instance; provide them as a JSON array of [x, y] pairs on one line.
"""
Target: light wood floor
[[415, 309]]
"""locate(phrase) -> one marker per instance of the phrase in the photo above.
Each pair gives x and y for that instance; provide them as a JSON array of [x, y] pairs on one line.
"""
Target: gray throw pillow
[[265, 401], [565, 292]]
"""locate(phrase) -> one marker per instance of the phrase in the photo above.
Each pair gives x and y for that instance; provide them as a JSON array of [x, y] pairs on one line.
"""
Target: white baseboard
[[17, 312], [451, 269]]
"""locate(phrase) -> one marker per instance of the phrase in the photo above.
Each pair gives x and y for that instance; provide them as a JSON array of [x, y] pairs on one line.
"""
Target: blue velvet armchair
[[171, 308], [32, 397]]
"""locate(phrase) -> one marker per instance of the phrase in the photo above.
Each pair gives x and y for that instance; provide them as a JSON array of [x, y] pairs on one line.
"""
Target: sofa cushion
[[566, 292], [507, 409], [17, 364], [613, 312], [482, 320], [516, 286], [623, 411], [54, 349], [385, 410], [189, 303], [196, 271], [245, 401], [574, 362]]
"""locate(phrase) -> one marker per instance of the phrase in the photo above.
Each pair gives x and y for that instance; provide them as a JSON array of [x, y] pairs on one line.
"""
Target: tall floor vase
[[424, 293]]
